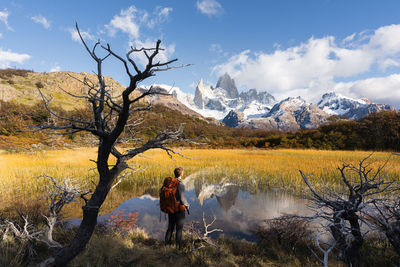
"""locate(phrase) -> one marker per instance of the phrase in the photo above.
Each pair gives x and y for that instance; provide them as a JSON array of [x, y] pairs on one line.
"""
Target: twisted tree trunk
[[109, 121]]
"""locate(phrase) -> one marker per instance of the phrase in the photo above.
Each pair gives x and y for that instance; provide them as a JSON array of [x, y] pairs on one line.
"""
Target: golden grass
[[135, 249], [254, 170]]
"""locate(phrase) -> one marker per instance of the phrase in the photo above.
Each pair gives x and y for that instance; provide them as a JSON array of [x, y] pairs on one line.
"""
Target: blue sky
[[287, 47]]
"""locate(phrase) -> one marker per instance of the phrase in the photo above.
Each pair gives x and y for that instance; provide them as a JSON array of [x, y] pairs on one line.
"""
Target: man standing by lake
[[176, 219]]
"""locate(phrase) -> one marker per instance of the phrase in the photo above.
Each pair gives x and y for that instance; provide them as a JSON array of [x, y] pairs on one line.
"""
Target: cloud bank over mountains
[[319, 65]]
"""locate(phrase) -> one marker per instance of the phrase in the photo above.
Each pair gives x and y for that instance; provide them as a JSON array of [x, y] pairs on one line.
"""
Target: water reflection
[[237, 211]]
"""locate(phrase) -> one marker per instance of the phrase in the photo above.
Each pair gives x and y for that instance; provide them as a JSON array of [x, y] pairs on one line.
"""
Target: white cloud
[[313, 67], [130, 20], [7, 58], [163, 11], [85, 35], [4, 18], [349, 38], [127, 21], [209, 7], [55, 68], [160, 15], [162, 56], [41, 20], [1, 35]]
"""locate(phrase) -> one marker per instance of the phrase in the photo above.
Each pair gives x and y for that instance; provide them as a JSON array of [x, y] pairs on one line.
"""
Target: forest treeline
[[377, 131]]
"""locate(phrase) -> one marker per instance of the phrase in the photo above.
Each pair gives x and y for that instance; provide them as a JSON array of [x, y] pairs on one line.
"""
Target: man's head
[[178, 172]]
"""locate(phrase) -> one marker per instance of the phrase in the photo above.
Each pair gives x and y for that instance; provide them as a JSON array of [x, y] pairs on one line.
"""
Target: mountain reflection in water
[[237, 211]]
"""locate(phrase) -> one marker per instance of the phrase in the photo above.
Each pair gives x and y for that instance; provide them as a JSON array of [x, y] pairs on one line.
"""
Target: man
[[176, 220]]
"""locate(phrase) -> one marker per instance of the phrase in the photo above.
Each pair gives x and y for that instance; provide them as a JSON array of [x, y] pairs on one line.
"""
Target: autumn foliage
[[122, 221]]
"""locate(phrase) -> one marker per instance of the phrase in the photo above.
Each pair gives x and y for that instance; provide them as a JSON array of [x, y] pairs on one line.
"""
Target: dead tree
[[325, 252], [344, 211], [25, 234], [59, 195], [202, 237], [386, 217], [110, 117]]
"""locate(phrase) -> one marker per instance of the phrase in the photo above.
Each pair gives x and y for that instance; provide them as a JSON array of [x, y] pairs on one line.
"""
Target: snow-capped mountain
[[290, 114], [295, 113], [337, 104], [218, 101], [259, 109], [228, 84], [178, 100], [255, 109]]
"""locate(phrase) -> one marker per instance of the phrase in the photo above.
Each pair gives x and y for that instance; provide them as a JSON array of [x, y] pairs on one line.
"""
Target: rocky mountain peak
[[294, 113], [366, 100], [289, 104], [202, 94], [218, 101], [200, 84], [234, 118], [337, 104], [228, 84], [334, 97], [259, 96]]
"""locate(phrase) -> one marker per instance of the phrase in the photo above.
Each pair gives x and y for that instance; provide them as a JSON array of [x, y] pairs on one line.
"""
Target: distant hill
[[22, 87]]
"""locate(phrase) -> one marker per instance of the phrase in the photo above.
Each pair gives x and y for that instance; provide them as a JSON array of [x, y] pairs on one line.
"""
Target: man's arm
[[182, 195]]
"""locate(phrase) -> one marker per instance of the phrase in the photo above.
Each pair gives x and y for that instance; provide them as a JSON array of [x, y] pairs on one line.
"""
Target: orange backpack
[[168, 202]]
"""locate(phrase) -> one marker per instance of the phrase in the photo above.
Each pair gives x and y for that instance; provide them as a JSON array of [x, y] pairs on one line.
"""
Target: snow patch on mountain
[[337, 104], [295, 113]]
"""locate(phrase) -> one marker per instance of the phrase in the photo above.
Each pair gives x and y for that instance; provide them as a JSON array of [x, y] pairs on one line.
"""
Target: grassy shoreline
[[136, 248], [255, 170]]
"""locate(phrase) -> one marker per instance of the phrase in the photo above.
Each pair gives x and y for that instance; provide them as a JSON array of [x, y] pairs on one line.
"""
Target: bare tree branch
[[345, 212], [203, 237], [111, 116]]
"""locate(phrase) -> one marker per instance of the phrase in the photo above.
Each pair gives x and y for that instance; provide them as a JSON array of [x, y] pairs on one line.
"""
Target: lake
[[236, 210]]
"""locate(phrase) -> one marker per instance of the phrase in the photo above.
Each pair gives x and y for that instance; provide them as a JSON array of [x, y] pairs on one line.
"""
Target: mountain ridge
[[260, 110]]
